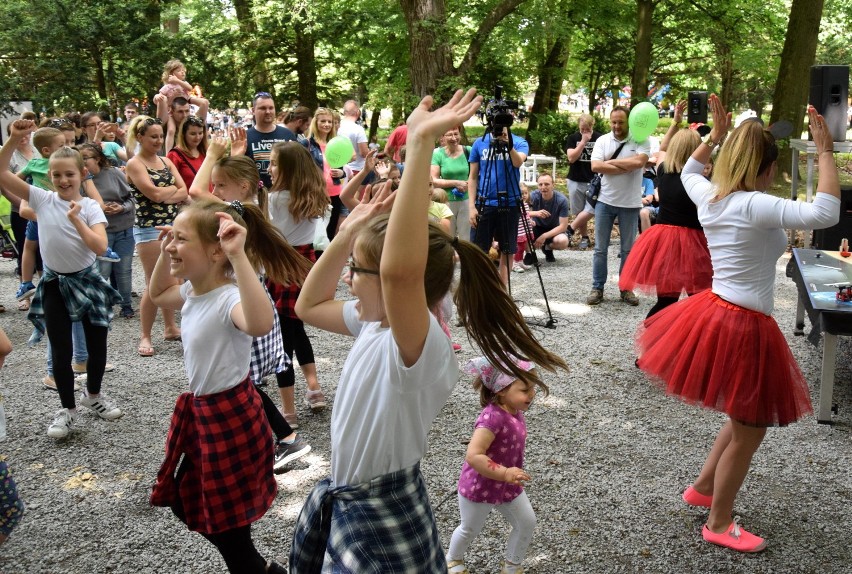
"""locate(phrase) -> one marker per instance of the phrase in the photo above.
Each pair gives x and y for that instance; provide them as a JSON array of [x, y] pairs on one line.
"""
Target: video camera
[[498, 112]]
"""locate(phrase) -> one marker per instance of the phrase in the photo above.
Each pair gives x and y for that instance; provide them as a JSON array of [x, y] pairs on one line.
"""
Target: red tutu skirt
[[668, 259], [715, 354]]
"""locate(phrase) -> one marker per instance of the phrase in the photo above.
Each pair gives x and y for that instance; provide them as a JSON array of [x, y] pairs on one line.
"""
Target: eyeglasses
[[88, 157], [353, 268]]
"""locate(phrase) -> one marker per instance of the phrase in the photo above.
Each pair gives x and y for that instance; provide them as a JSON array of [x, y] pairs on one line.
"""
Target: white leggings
[[518, 513]]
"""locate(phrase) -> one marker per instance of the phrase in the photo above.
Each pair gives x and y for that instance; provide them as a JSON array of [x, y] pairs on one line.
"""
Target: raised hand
[[432, 125], [680, 107], [232, 235], [217, 147], [370, 160], [166, 237], [21, 128], [818, 127], [239, 141], [376, 201], [721, 118]]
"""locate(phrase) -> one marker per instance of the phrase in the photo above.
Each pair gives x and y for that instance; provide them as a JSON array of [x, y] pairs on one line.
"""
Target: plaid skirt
[[86, 294], [285, 296], [226, 476], [384, 525]]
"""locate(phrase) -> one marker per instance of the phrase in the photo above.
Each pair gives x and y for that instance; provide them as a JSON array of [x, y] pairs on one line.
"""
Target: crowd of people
[[248, 234]]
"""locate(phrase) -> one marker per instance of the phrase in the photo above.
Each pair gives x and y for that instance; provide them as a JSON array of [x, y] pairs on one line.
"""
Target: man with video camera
[[493, 189]]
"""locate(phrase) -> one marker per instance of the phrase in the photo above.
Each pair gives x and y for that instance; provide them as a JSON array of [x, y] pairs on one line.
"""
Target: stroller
[[8, 249]]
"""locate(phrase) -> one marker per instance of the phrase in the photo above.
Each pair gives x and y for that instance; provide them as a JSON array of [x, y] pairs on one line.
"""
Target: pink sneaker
[[315, 400], [456, 347], [735, 538], [695, 498]]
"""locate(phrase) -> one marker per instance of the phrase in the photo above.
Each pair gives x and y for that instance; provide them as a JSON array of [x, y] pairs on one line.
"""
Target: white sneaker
[[61, 425], [102, 406]]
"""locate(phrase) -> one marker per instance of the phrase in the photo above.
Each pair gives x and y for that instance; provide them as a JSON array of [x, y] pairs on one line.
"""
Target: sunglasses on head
[[259, 95], [195, 121], [58, 123]]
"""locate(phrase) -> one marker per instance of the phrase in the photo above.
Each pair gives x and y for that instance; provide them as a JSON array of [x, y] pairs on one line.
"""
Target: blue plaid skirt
[[86, 294], [384, 525]]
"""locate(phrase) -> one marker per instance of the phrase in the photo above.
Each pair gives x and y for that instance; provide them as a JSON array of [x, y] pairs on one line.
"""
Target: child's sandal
[[456, 567]]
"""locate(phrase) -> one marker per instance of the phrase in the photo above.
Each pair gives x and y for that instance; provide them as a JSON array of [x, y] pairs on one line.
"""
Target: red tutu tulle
[[668, 259], [713, 353]]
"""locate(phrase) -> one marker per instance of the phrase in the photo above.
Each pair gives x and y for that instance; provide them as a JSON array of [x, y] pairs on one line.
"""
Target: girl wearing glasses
[[158, 190], [401, 368]]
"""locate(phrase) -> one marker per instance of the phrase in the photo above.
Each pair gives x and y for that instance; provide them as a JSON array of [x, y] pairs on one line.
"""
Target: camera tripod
[[499, 159]]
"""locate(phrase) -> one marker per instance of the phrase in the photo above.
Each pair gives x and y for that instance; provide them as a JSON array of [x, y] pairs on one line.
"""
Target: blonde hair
[[748, 153], [486, 310], [43, 137], [265, 247], [66, 152], [587, 119], [312, 132], [439, 195], [169, 69], [242, 168], [132, 128], [680, 149], [298, 174]]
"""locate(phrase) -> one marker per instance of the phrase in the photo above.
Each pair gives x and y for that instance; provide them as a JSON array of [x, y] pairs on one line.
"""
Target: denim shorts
[[145, 234], [32, 231]]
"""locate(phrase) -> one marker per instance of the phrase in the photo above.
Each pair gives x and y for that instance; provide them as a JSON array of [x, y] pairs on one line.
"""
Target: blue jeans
[[78, 338], [628, 225], [122, 242]]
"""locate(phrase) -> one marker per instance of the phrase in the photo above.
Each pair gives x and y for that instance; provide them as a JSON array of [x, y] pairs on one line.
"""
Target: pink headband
[[494, 379]]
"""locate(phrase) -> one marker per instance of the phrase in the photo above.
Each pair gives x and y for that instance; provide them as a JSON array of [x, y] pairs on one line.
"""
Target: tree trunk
[[791, 87], [429, 52], [726, 71], [549, 79], [374, 124], [431, 61], [306, 64], [248, 34], [594, 86], [639, 84]]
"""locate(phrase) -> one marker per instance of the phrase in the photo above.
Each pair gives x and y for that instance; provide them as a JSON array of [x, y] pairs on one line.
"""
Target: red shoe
[[695, 498], [456, 347], [735, 538]]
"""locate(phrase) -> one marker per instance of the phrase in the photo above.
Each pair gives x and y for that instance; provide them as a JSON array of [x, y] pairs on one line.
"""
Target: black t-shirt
[[675, 206], [260, 145], [581, 170]]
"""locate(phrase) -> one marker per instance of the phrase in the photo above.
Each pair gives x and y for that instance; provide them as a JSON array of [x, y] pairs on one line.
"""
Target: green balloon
[[338, 151], [643, 121]]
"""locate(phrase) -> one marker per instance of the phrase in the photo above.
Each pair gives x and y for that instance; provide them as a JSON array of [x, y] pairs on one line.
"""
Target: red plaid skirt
[[226, 476], [285, 296]]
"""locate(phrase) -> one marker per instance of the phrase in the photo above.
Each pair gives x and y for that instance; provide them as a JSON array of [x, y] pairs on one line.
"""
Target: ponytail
[[265, 247], [485, 308], [492, 319]]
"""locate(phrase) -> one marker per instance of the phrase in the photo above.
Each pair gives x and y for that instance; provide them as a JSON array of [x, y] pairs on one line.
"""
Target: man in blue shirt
[[493, 186]]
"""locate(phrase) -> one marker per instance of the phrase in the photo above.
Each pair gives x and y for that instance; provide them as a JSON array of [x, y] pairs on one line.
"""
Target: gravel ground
[[608, 453]]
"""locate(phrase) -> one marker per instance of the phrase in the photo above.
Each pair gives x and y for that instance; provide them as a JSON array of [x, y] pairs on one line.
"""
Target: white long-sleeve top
[[745, 234]]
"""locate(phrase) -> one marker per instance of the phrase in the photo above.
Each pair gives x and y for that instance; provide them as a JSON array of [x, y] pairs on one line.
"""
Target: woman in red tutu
[[672, 256], [721, 348]]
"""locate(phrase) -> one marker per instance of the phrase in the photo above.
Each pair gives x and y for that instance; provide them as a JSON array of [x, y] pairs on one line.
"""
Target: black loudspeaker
[[696, 109], [829, 239], [829, 94]]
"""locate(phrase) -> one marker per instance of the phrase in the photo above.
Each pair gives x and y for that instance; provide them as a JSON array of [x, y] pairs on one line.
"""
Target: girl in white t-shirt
[[218, 427], [721, 348], [297, 201], [401, 367], [72, 234]]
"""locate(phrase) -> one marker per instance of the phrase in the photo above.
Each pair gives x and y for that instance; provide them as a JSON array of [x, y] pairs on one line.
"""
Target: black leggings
[[235, 545], [273, 415], [59, 333], [336, 208], [663, 302], [295, 341]]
